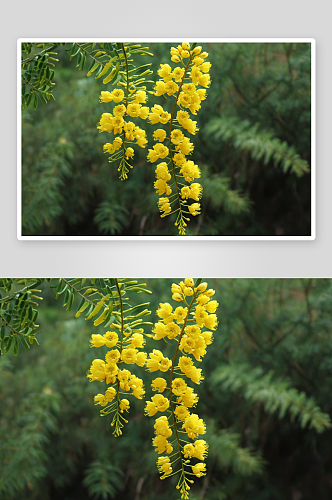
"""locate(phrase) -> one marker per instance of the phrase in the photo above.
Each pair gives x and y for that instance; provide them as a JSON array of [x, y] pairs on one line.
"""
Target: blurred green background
[[253, 148], [265, 399]]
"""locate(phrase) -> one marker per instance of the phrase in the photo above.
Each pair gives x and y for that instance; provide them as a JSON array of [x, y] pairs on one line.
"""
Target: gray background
[[175, 18]]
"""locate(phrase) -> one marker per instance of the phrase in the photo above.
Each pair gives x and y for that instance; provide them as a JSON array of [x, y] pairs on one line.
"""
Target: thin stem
[[83, 296]]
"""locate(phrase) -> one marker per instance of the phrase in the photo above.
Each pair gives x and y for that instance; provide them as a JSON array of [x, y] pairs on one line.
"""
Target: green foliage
[[261, 145], [18, 313], [225, 446], [108, 61], [37, 73], [23, 447], [274, 395], [103, 480]]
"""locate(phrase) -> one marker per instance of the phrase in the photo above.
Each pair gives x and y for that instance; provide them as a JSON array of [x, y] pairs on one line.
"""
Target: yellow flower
[[99, 399], [97, 370], [141, 96], [194, 209], [179, 386], [141, 358], [176, 136], [112, 356], [181, 412], [188, 451], [144, 112], [205, 81], [172, 330], [117, 95], [124, 405], [129, 153], [164, 70], [180, 313], [200, 451], [162, 187], [193, 425], [105, 96], [205, 67], [159, 135], [164, 117], [171, 88], [129, 355], [164, 310], [97, 341], [184, 100], [159, 384], [119, 110], [189, 88], [199, 469], [106, 123], [160, 88], [161, 444], [178, 74], [133, 109], [111, 339], [162, 427], [212, 306], [211, 322]]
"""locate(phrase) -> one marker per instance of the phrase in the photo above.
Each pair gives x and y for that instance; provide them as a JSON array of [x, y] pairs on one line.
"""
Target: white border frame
[[312, 237]]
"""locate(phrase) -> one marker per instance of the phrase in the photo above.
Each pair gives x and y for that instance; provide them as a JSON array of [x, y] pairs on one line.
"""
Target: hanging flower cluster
[[177, 431], [124, 345], [132, 102], [176, 176]]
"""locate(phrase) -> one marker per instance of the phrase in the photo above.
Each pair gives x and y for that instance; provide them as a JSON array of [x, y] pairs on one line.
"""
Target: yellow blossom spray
[[132, 96], [124, 339], [178, 428], [176, 176]]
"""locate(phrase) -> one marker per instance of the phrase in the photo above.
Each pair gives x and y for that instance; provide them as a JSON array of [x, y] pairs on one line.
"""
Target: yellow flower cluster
[[183, 83], [110, 370], [190, 327], [118, 123]]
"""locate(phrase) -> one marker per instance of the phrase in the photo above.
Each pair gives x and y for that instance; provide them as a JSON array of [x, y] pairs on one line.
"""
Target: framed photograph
[[164, 138]]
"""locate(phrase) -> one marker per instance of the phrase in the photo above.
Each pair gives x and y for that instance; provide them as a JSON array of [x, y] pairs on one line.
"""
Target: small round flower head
[[159, 135], [97, 341], [199, 469], [117, 95], [159, 384], [124, 405], [111, 339], [105, 96]]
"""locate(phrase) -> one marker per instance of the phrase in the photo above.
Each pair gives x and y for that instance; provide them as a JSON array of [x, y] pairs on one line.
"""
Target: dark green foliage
[[37, 73], [18, 313], [253, 148]]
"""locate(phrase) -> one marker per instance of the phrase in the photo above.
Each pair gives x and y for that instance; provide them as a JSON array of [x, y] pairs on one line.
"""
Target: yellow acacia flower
[[159, 384], [199, 469], [193, 425], [117, 95], [124, 405], [111, 339], [112, 356], [105, 96], [97, 370], [97, 341]]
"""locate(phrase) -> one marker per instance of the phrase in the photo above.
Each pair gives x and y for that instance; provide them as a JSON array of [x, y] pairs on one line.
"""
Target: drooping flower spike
[[177, 427], [125, 339], [176, 176], [132, 95]]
